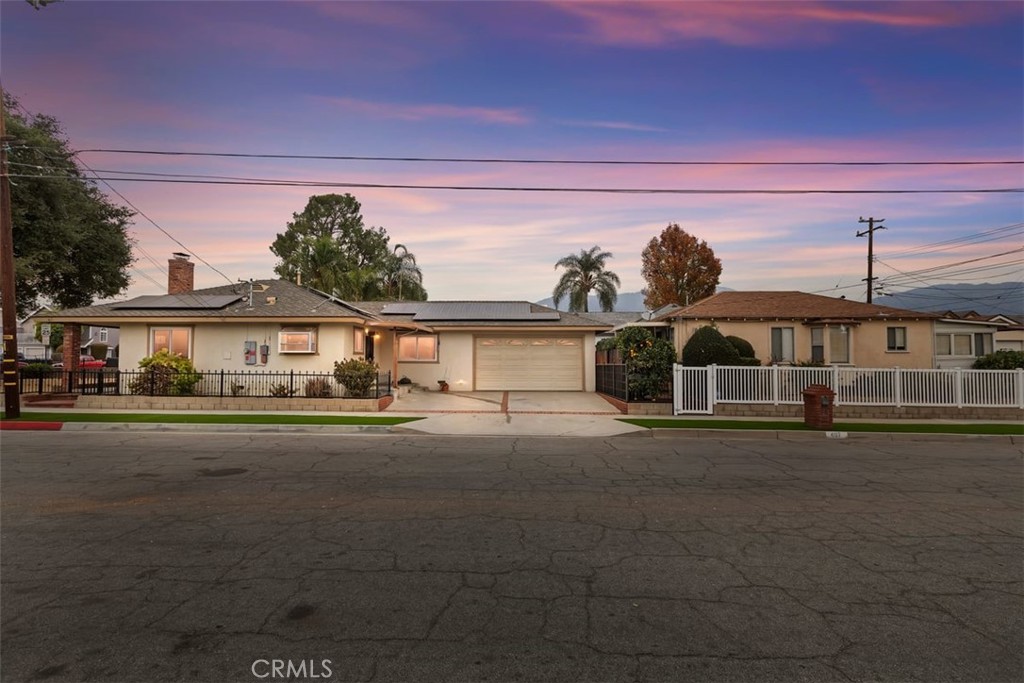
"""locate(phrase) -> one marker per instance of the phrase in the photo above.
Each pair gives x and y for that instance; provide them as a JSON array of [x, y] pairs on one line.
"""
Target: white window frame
[[310, 334], [103, 335], [171, 329], [892, 340], [405, 340], [786, 343], [950, 339]]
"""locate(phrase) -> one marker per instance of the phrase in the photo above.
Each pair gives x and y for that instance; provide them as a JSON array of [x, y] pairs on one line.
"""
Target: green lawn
[[219, 418], [776, 425]]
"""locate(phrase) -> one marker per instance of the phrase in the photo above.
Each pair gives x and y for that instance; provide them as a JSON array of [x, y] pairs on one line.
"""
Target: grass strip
[[215, 418], [999, 429]]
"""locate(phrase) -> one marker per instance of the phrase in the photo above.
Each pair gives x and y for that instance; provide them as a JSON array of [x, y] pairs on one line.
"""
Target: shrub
[[356, 375], [165, 374], [742, 346], [282, 391], [606, 344], [318, 387], [648, 361], [36, 370], [1003, 359], [707, 346]]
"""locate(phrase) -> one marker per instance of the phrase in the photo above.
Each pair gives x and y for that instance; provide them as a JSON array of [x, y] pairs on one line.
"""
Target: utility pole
[[870, 232], [12, 400]]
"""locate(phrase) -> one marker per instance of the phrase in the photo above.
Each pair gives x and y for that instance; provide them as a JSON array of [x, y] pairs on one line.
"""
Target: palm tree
[[584, 272], [402, 277]]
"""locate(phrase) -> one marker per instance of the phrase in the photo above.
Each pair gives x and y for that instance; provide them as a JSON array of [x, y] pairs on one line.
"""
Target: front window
[[103, 335], [817, 345], [782, 345], [297, 340], [417, 348], [174, 340], [953, 344], [839, 344], [358, 340], [896, 339], [982, 343]]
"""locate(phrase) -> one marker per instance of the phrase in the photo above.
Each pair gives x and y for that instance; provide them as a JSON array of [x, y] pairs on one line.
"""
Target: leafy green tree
[[71, 244], [678, 269], [329, 248], [648, 361], [585, 273], [165, 374], [356, 375]]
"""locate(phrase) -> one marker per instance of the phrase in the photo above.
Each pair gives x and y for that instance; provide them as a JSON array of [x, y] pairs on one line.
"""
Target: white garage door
[[529, 363]]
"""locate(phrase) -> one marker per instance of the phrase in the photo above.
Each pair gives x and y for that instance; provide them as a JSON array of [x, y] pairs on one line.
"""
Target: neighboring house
[[472, 345], [960, 338], [1010, 336], [615, 321], [97, 338], [795, 327], [28, 346]]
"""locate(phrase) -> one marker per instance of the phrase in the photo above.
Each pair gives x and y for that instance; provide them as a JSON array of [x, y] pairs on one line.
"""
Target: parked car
[[85, 362]]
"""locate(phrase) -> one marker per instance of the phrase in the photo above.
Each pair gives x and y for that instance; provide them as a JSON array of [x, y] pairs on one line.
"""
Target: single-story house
[[278, 325], [961, 338], [795, 327]]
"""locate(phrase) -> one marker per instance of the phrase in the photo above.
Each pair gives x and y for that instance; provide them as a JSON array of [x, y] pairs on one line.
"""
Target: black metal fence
[[205, 383], [611, 380]]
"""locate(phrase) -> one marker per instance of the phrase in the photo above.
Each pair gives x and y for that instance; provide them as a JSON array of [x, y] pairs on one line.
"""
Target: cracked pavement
[[188, 556]]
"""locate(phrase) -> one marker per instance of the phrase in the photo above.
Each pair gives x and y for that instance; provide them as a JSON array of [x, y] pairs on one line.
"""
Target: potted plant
[[442, 385]]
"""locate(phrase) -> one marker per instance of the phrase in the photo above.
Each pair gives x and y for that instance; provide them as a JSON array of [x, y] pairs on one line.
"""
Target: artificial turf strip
[[204, 418], [909, 428]]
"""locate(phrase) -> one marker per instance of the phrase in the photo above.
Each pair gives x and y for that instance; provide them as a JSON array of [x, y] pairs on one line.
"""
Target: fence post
[[712, 388], [958, 388], [291, 382], [625, 380], [776, 389], [897, 387], [1020, 388]]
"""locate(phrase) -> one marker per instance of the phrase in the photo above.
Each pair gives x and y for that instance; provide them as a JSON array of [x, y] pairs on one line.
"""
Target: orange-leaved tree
[[679, 269]]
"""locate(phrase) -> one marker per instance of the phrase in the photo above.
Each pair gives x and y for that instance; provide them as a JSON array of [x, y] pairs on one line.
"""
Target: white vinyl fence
[[697, 390]]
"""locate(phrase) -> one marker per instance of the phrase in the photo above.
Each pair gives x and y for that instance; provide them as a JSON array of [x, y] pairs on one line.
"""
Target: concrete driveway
[[562, 402]]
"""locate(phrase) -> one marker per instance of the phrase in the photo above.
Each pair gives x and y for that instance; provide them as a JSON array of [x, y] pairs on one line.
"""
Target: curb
[[785, 435], [19, 425]]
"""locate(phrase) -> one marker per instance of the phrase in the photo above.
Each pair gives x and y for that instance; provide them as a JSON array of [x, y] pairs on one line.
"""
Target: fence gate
[[692, 390]]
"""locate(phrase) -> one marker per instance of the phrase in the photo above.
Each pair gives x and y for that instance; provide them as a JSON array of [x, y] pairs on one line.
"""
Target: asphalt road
[[233, 557]]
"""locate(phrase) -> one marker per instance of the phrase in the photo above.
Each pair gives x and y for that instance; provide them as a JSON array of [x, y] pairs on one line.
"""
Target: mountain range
[[986, 299]]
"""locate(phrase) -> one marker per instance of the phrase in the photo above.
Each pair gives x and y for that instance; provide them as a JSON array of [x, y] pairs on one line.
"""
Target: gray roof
[[282, 300], [616, 318], [275, 299]]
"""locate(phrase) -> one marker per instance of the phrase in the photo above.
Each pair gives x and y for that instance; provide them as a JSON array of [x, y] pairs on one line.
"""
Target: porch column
[[394, 358], [72, 354]]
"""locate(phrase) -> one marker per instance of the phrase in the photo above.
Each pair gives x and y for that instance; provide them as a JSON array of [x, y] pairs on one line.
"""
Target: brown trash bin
[[819, 401]]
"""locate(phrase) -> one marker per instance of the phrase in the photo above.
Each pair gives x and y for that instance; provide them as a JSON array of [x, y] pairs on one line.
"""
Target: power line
[[265, 182], [154, 223], [595, 162], [992, 235]]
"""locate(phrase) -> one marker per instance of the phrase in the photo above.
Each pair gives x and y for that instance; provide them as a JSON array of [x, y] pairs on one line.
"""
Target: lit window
[[297, 340], [417, 348], [896, 339], [174, 340], [358, 340]]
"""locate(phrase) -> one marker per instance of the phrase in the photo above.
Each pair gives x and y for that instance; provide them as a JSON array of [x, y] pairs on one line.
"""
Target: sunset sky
[[673, 81]]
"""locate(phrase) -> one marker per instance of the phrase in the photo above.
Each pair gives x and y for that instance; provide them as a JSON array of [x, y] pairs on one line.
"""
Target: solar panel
[[206, 302]]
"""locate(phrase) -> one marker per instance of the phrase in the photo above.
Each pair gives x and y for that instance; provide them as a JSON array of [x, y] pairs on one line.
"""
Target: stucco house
[[793, 327], [278, 325]]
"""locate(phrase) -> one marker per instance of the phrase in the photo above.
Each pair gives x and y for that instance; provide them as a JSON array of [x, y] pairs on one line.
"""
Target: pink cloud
[[421, 112], [758, 23]]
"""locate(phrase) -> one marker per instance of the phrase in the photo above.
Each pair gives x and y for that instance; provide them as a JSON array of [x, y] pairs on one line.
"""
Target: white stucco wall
[[219, 346], [454, 363]]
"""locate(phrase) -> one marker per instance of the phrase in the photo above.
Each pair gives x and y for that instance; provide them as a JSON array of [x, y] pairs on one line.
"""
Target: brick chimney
[[180, 274]]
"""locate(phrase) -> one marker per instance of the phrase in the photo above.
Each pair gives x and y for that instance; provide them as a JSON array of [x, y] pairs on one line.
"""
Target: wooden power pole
[[870, 232], [8, 301]]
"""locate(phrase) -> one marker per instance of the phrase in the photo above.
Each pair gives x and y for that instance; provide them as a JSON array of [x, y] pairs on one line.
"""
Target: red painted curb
[[26, 426]]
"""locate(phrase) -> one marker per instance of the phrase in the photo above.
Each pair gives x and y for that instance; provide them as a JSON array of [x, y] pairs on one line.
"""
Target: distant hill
[[985, 299]]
